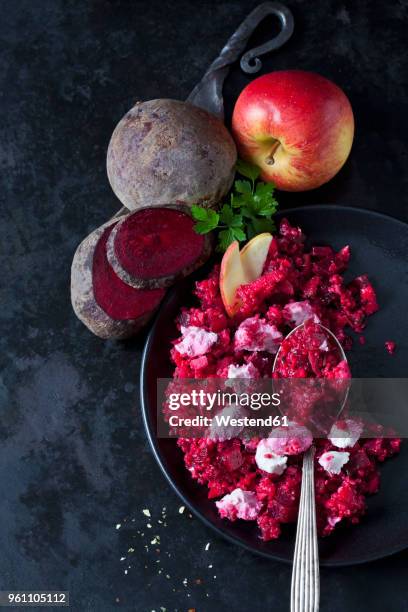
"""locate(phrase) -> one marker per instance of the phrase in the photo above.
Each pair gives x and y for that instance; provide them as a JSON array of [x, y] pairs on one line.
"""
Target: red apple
[[296, 126]]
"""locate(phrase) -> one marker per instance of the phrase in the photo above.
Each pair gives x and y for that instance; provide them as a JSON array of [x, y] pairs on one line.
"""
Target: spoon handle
[[305, 590]]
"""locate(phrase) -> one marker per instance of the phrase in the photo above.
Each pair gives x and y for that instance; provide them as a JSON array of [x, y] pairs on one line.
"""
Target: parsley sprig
[[249, 211]]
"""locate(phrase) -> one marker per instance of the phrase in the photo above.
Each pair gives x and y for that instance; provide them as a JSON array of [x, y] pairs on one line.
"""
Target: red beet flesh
[[117, 299], [157, 242], [390, 345]]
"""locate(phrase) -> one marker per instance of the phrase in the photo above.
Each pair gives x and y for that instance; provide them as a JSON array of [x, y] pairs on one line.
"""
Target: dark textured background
[[74, 460]]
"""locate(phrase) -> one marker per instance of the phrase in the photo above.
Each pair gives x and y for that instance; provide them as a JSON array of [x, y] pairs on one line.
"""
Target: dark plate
[[380, 248]]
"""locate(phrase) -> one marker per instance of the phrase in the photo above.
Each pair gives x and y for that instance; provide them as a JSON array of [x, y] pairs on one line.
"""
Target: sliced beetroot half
[[154, 246], [104, 303], [119, 300]]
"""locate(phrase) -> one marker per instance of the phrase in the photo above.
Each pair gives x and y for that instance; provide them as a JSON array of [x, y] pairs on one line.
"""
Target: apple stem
[[269, 159]]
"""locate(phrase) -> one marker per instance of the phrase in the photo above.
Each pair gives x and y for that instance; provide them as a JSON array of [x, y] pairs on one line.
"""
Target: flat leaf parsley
[[249, 211]]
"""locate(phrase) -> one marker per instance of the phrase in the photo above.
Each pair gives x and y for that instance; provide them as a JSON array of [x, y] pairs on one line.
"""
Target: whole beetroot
[[170, 151]]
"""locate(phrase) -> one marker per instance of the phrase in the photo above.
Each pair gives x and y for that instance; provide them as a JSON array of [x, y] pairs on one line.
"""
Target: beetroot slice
[[116, 298], [154, 246], [83, 299]]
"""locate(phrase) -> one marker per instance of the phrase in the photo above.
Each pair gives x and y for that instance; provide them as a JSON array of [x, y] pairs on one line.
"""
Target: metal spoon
[[305, 588]]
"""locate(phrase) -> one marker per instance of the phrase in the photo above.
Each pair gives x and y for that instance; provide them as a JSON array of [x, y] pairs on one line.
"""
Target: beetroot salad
[[259, 480]]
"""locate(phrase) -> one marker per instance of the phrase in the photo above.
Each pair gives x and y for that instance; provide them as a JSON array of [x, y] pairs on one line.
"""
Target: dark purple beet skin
[[170, 151]]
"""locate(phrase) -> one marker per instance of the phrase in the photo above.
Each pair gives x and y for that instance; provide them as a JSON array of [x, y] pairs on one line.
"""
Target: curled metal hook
[[250, 62], [208, 92]]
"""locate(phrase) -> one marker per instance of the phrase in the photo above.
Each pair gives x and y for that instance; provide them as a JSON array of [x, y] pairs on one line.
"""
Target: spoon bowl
[[324, 328]]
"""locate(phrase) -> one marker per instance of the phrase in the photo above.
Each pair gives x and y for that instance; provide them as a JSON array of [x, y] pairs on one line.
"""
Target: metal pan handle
[[208, 92]]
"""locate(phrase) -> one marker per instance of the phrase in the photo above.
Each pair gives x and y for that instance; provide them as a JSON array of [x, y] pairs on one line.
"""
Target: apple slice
[[231, 277], [242, 268], [254, 254]]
